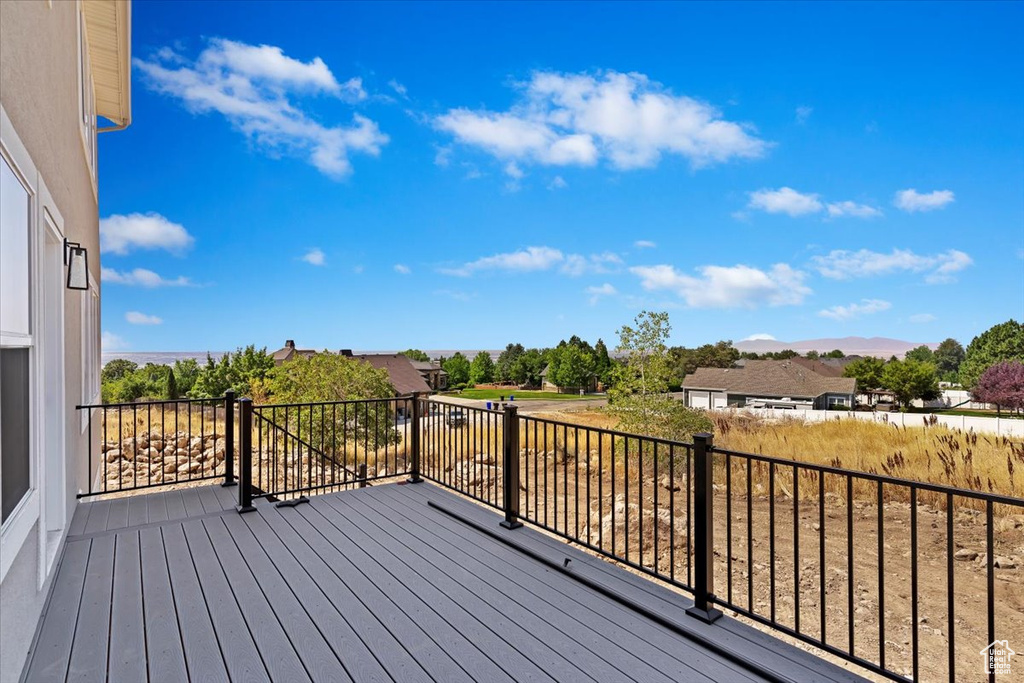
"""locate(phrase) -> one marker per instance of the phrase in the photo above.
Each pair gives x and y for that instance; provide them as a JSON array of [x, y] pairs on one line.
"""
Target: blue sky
[[462, 176]]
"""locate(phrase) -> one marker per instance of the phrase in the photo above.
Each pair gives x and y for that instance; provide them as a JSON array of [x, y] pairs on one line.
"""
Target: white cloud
[[455, 294], [785, 200], [443, 156], [865, 307], [848, 208], [136, 318], [597, 292], [402, 269], [579, 119], [728, 287], [120, 234], [577, 264], [250, 85], [644, 244], [760, 336], [911, 200], [512, 170], [522, 261], [922, 318], [803, 113], [534, 259], [315, 257], [142, 278], [399, 88], [112, 342], [358, 269], [845, 265], [558, 183]]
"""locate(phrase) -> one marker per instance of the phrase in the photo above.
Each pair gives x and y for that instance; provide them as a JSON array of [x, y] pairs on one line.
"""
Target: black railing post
[[414, 441], [245, 456], [229, 438], [704, 531], [510, 467]]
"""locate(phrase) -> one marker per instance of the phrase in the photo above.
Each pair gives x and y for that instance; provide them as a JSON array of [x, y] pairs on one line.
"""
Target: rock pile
[[161, 458]]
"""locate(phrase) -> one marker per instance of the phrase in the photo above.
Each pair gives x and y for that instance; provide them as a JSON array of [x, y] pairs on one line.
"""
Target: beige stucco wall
[[39, 92]]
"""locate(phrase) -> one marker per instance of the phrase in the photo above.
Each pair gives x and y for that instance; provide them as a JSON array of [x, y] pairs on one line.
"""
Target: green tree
[[416, 354], [481, 370], [333, 377], [909, 380], [572, 366], [921, 354], [948, 357], [602, 363], [116, 369], [683, 361], [835, 353], [867, 371], [504, 369], [185, 373], [639, 394], [213, 379], [171, 388], [999, 344], [457, 367], [527, 368], [249, 368], [812, 355]]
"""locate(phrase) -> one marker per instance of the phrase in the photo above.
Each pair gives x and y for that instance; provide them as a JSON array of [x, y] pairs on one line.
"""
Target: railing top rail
[[143, 404], [882, 478], [311, 404], [610, 432]]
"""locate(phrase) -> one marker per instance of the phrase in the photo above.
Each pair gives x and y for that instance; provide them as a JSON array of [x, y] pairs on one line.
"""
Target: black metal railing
[[462, 448], [143, 445], [302, 448], [882, 571]]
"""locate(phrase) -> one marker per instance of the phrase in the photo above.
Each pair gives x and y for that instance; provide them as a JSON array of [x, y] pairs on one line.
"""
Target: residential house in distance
[[65, 68], [548, 385], [405, 377], [289, 352], [433, 374], [782, 384]]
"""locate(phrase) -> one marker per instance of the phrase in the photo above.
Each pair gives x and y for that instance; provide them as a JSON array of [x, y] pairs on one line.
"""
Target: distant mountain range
[[851, 346]]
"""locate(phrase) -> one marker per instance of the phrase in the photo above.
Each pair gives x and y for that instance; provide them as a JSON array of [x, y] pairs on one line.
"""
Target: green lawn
[[520, 395], [971, 413]]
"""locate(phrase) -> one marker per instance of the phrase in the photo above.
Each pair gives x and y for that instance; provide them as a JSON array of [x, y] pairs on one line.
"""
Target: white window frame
[[15, 530], [86, 100], [90, 345], [837, 401]]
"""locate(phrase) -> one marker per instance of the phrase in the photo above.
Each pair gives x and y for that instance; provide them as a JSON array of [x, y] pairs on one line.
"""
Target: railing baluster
[[245, 456], [510, 467], [229, 438]]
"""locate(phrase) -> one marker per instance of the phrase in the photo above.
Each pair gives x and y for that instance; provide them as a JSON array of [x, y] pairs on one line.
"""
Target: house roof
[[769, 378], [427, 366], [108, 28], [287, 352], [405, 378]]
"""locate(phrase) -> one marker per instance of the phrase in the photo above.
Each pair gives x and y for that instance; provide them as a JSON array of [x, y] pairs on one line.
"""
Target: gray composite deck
[[365, 585]]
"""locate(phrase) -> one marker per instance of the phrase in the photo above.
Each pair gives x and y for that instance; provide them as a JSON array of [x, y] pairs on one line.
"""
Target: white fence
[[989, 425]]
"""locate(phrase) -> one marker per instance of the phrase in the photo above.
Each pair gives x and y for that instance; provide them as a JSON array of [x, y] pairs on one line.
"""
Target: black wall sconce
[[76, 258]]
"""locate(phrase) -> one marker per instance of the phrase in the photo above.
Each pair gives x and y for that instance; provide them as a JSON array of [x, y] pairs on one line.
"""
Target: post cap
[[703, 436]]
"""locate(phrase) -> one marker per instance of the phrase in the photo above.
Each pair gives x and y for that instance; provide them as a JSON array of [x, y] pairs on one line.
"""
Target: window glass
[[14, 254], [14, 428]]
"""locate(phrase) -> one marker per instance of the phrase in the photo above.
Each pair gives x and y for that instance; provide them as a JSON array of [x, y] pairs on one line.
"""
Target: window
[[90, 345], [86, 96], [15, 341], [836, 401]]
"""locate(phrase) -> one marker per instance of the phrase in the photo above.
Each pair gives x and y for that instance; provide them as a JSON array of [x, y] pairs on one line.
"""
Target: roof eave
[[108, 26]]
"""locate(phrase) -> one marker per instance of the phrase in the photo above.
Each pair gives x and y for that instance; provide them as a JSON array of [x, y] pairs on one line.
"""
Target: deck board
[[164, 647], [127, 658], [283, 662], [364, 585], [618, 625], [244, 660], [89, 649], [201, 646], [53, 647]]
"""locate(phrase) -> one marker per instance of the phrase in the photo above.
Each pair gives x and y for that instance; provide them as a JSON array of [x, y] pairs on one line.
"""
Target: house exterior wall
[[40, 98]]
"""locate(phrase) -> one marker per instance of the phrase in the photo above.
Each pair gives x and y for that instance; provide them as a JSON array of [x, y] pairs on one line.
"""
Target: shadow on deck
[[369, 584]]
